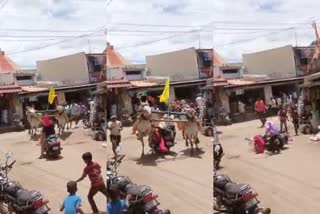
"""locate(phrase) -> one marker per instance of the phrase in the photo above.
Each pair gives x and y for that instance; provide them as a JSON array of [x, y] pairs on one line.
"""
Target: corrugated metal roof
[[33, 89], [9, 89], [240, 82], [142, 84]]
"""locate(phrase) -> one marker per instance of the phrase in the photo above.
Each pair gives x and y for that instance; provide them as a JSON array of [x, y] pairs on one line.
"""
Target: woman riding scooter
[[48, 129], [272, 132]]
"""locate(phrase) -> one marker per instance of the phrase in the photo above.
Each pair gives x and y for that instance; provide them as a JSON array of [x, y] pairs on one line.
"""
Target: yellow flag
[[164, 97], [52, 95]]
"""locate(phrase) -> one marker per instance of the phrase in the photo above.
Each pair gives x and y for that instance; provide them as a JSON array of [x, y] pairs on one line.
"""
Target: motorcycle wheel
[[86, 124], [277, 145]]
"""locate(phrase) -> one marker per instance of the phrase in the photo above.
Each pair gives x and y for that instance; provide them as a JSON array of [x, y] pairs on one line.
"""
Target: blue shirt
[[71, 203], [116, 207]]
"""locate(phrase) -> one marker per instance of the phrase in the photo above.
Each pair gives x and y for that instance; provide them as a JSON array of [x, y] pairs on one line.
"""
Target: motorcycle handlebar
[[12, 163]]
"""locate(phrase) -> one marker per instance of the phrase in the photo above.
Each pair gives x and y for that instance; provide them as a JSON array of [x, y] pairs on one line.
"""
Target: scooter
[[53, 148], [269, 145], [15, 199], [162, 135]]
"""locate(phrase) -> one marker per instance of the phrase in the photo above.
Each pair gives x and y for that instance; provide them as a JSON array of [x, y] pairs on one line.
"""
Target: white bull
[[144, 126], [62, 119], [191, 130], [34, 120]]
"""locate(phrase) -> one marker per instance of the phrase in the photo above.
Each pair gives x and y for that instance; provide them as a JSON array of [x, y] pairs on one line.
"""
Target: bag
[[52, 139]]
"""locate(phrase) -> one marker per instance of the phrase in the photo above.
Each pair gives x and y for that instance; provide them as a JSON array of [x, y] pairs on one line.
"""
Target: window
[[230, 71], [133, 72], [304, 61], [24, 78]]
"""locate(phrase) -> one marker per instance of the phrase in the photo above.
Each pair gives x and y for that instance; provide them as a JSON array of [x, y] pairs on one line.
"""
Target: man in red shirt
[[93, 170], [261, 108]]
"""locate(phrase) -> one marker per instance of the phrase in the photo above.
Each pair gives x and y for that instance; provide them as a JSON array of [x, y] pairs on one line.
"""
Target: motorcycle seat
[[233, 189], [25, 196], [136, 190]]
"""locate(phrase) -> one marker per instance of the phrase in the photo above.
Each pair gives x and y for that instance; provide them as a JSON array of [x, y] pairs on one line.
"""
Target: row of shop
[[122, 95]]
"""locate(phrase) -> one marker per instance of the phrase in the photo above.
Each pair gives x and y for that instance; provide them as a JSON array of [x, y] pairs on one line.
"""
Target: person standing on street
[[242, 110], [115, 128], [261, 108], [93, 170], [295, 118], [282, 115]]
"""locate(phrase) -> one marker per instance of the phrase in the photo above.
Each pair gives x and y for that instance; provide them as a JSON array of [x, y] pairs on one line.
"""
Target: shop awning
[[10, 89], [109, 84], [309, 84], [313, 77]]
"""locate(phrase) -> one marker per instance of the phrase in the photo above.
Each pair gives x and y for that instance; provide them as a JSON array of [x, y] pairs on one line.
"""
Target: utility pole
[[89, 45], [105, 95]]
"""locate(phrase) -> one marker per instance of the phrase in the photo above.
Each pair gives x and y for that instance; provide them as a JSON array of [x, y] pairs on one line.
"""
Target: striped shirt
[[93, 170]]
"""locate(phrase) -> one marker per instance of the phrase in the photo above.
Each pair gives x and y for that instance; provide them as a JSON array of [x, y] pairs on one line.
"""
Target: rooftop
[[114, 59], [6, 64]]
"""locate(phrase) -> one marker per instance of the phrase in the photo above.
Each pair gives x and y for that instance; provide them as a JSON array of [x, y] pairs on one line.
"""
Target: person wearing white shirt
[[115, 128]]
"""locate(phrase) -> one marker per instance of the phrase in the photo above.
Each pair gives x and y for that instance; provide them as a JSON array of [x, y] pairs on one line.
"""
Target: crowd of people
[[286, 112]]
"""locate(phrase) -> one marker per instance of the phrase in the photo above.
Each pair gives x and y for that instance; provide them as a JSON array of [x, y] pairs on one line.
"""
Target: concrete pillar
[[172, 94], [267, 93], [224, 98]]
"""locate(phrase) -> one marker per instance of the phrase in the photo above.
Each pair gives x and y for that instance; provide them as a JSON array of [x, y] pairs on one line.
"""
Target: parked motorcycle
[[17, 123], [143, 201], [86, 120], [53, 148], [217, 148], [233, 198], [99, 133], [224, 119], [284, 139], [126, 119], [15, 199], [162, 134], [306, 125], [267, 144]]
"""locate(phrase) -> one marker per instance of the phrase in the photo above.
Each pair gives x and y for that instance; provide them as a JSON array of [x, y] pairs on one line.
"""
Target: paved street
[[288, 183], [183, 183]]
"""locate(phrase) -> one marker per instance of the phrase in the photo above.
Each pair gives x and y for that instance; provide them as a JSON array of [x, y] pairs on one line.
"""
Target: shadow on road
[[53, 159], [35, 137], [195, 154], [65, 135], [151, 159], [147, 160]]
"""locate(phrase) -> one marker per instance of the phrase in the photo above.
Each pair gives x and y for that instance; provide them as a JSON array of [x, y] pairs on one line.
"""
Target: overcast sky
[[32, 30]]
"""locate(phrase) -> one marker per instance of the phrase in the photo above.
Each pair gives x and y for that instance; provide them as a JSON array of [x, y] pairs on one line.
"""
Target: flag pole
[[169, 98]]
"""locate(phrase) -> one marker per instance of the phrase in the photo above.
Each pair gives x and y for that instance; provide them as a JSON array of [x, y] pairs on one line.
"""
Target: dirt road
[[183, 183], [288, 183]]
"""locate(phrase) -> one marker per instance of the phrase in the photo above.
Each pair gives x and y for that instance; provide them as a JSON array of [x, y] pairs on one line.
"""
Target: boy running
[[93, 170]]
